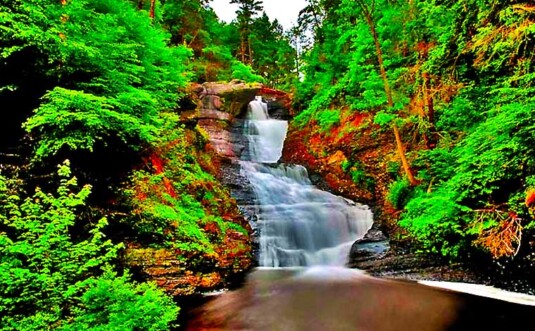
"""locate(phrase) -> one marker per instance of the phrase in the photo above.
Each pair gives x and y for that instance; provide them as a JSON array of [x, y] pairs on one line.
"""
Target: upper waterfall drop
[[257, 110], [299, 224], [266, 136]]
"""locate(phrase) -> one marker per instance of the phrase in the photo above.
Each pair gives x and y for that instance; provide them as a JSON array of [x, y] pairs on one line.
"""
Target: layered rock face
[[219, 105], [217, 119]]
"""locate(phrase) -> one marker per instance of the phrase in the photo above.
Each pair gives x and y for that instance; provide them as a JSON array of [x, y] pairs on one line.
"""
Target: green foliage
[[358, 173], [328, 118], [346, 164], [112, 302], [384, 118], [497, 151], [50, 278], [77, 120], [400, 193], [464, 71], [244, 72], [175, 200], [438, 222], [471, 102], [108, 71], [218, 46]]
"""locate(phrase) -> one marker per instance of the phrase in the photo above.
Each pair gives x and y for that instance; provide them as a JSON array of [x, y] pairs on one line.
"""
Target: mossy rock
[[234, 96]]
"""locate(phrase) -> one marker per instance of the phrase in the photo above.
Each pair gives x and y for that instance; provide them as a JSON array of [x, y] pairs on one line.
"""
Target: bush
[[244, 72], [328, 118], [400, 193], [438, 222], [52, 279], [113, 303]]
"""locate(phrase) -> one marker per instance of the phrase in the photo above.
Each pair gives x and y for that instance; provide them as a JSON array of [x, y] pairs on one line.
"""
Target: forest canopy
[[454, 83]]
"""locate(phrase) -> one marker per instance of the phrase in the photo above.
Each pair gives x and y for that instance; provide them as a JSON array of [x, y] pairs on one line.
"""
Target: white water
[[299, 224], [266, 136]]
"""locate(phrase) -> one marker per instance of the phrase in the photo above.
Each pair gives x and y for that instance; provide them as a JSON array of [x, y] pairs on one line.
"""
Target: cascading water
[[266, 136], [299, 224]]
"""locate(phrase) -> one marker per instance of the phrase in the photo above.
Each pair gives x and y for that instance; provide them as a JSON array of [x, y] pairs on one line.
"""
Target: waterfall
[[266, 136], [299, 224]]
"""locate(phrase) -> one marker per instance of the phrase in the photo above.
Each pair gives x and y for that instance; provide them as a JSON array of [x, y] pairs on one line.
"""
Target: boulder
[[373, 246], [214, 115]]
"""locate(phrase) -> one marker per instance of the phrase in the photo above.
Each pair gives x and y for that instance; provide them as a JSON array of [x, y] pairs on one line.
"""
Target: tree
[[368, 14], [109, 84], [246, 10], [274, 56]]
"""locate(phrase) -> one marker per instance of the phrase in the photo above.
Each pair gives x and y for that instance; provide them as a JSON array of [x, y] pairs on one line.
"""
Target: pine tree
[[247, 9]]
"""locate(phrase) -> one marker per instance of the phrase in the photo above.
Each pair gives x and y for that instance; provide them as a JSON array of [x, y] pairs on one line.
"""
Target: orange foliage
[[530, 198], [169, 187], [212, 227], [503, 239]]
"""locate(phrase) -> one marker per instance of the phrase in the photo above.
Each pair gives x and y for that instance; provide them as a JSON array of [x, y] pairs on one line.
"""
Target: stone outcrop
[[218, 106], [279, 103], [177, 277], [231, 98], [373, 246]]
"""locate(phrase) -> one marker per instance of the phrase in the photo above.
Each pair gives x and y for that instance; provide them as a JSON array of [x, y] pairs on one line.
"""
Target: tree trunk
[[388, 91], [140, 4], [242, 49], [151, 11], [250, 51], [297, 68], [431, 141]]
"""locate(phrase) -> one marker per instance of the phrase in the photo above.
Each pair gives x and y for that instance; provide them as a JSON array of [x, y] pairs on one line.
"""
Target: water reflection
[[332, 298]]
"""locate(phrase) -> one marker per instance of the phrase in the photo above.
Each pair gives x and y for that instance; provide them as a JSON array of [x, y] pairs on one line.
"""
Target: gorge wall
[[212, 140]]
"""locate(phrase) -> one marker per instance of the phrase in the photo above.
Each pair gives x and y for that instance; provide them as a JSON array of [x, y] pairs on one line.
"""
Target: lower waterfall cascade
[[299, 224]]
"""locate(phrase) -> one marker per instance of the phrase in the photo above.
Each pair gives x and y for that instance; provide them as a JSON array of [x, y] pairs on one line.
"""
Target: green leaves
[[460, 75], [328, 118], [437, 221], [51, 280], [77, 120], [244, 72], [39, 254], [107, 69], [111, 302]]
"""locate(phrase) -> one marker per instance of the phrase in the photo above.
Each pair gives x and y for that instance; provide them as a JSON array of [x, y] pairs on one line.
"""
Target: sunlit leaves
[[50, 278]]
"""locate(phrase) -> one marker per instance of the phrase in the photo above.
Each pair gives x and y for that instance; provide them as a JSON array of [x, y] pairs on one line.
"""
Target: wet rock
[[367, 251], [373, 246], [173, 275], [279, 103], [374, 235]]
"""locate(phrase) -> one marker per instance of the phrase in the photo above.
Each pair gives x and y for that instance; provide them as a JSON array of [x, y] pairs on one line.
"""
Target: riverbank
[[390, 264]]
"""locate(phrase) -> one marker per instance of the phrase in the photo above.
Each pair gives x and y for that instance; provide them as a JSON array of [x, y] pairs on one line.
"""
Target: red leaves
[[157, 163], [505, 237]]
